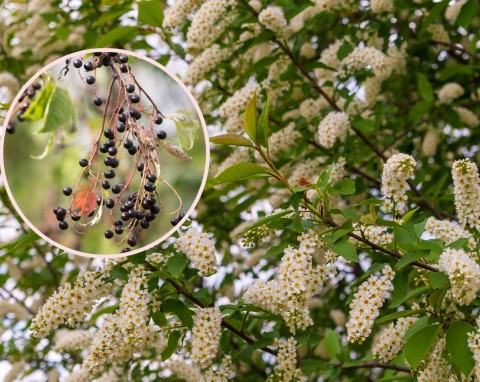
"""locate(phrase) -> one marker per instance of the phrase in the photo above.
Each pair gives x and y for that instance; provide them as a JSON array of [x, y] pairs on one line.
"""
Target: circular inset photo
[[104, 152]]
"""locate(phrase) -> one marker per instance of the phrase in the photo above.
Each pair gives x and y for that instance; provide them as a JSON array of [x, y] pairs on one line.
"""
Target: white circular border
[[197, 109]]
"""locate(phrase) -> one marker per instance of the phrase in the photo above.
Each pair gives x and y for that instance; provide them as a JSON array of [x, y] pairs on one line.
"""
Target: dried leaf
[[85, 200]]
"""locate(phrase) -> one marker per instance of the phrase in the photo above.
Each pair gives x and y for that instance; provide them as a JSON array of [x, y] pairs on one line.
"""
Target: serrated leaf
[[84, 201], [457, 346], [232, 140], [250, 118], [438, 280], [59, 112], [417, 346], [150, 13], [467, 13], [332, 344], [343, 187], [171, 345], [324, 178], [178, 308], [262, 131], [237, 172], [176, 264], [119, 272], [187, 126], [116, 34], [403, 313], [345, 249], [424, 87], [38, 107]]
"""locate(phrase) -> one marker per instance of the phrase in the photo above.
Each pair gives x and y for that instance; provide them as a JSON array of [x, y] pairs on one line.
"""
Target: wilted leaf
[[85, 200], [187, 125]]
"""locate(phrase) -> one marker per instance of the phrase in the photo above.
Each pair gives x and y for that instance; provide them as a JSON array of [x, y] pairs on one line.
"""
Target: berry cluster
[[124, 137], [23, 104]]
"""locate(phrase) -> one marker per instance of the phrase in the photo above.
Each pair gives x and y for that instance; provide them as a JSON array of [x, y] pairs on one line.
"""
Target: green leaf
[[59, 112], [345, 249], [232, 139], [171, 345], [176, 264], [403, 313], [116, 34], [419, 345], [467, 13], [150, 13], [265, 220], [324, 178], [25, 239], [119, 272], [178, 308], [239, 171], [262, 131], [409, 214], [105, 17], [250, 118], [364, 125], [410, 258], [424, 87], [457, 346], [138, 258], [37, 108], [310, 366], [343, 187], [438, 280], [107, 310], [332, 344], [187, 125], [159, 319], [48, 147], [344, 50]]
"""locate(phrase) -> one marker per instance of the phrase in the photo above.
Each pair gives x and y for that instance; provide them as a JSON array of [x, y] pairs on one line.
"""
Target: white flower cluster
[[453, 10], [391, 342], [175, 14], [185, 371], [467, 117], [379, 6], [334, 126], [235, 106], [274, 19], [306, 169], [205, 62], [221, 373], [68, 340], [206, 334], [474, 345], [368, 57], [287, 369], [329, 57], [396, 171], [367, 301], [71, 304], [434, 367], [448, 231], [464, 274], [283, 140], [19, 311], [209, 23], [430, 143], [273, 83], [449, 92], [439, 33], [79, 375], [200, 250], [466, 189], [158, 258], [125, 331], [375, 233], [295, 283], [9, 87], [310, 108]]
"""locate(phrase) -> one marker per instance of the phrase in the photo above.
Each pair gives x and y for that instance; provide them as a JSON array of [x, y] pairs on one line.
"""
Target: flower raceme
[[466, 189], [396, 171]]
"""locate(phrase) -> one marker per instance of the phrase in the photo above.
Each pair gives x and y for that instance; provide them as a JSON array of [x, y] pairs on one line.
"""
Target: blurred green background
[[37, 184]]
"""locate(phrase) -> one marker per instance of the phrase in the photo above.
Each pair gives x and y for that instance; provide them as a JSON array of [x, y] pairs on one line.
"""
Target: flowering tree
[[337, 238]]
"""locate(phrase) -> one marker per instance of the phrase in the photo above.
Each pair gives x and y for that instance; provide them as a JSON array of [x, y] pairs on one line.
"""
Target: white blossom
[[379, 6], [204, 63], [453, 10], [334, 126], [283, 140], [430, 143], [466, 189], [367, 301], [449, 92], [274, 19], [68, 340], [434, 367], [439, 33], [178, 12], [448, 231], [391, 340], [206, 334], [396, 171], [464, 274], [468, 117], [287, 369], [199, 249]]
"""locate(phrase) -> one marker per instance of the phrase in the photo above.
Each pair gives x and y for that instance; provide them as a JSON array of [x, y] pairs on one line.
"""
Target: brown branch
[[457, 48], [373, 365]]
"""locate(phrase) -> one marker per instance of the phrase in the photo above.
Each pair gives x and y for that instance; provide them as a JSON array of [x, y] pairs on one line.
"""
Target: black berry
[[149, 186], [90, 80], [123, 58], [97, 102], [132, 150], [155, 210], [83, 162], [118, 230], [132, 241], [10, 128], [37, 86], [124, 68], [152, 178], [135, 98], [103, 148], [140, 166], [161, 134], [109, 133], [174, 221], [61, 212], [122, 118], [112, 151], [105, 184], [128, 144], [108, 234], [67, 191], [116, 189], [144, 224], [99, 201], [77, 63], [159, 120], [109, 174], [75, 217], [115, 163], [63, 225], [110, 203], [130, 88], [88, 66], [121, 127], [135, 114], [149, 216], [181, 215], [108, 161], [110, 143]]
